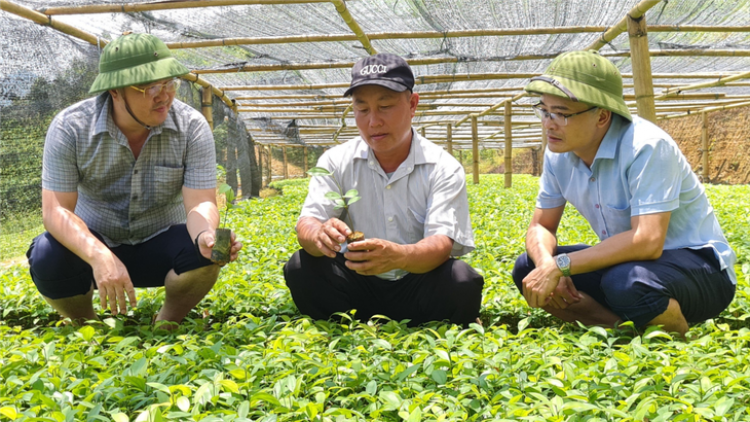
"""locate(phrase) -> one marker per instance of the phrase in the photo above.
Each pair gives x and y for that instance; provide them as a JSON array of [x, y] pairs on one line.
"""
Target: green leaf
[[333, 195], [183, 403], [353, 200], [439, 376], [9, 412], [339, 203], [372, 387], [351, 193], [319, 171], [87, 332], [120, 417]]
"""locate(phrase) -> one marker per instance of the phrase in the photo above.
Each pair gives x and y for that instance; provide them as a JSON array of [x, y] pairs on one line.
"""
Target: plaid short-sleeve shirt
[[126, 200]]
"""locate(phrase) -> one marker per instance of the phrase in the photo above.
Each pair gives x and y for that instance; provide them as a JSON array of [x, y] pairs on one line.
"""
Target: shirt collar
[[608, 147]]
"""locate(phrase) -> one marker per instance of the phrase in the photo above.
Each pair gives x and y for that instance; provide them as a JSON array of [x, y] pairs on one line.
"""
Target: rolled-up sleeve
[[59, 169], [550, 195], [448, 211], [200, 159], [655, 179]]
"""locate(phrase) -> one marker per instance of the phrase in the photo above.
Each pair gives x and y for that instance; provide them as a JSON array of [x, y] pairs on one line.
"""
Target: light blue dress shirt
[[425, 196], [638, 170]]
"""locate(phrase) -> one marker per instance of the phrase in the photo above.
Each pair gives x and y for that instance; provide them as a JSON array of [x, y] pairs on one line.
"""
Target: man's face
[[384, 117], [580, 135], [150, 103]]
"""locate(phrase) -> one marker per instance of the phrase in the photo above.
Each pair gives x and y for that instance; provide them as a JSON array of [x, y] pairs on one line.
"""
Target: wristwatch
[[563, 263]]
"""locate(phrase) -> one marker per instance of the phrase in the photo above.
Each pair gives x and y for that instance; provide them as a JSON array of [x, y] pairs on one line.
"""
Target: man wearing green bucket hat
[[128, 191], [662, 258]]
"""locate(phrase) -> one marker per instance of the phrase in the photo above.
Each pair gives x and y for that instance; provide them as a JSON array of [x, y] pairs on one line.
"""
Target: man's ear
[[413, 102], [605, 116]]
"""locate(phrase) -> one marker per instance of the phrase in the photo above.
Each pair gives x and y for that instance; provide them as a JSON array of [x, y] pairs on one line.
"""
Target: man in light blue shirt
[[414, 214], [662, 259]]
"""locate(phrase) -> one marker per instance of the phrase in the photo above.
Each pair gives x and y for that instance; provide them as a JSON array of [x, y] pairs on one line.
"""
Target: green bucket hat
[[583, 76], [135, 59]]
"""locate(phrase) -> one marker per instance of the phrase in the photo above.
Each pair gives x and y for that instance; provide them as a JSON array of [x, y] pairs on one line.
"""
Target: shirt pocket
[[616, 220], [168, 182]]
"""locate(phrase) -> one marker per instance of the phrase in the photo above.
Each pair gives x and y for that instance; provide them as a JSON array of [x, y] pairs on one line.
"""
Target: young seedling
[[222, 245], [342, 200]]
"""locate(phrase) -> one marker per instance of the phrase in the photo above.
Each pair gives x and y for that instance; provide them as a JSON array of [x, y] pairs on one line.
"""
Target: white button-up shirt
[[425, 196], [638, 170]]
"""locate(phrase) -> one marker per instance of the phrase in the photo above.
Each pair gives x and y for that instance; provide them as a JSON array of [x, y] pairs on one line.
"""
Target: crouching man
[[662, 259], [413, 212]]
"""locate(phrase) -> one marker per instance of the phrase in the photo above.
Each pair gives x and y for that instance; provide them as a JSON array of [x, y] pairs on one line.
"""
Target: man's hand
[[329, 236], [113, 281], [565, 294], [207, 240], [373, 256], [539, 284]]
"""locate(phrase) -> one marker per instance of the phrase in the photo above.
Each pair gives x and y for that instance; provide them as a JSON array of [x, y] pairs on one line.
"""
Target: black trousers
[[323, 286]]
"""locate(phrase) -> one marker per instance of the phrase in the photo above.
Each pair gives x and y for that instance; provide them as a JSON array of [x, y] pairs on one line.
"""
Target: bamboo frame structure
[[644, 89]]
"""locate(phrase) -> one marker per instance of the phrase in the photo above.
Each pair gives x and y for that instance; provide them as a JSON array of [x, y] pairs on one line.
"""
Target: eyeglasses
[[559, 118], [152, 91]]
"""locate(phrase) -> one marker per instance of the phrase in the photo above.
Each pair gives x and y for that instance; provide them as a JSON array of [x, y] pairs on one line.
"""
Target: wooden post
[[286, 168], [475, 148], [423, 132], [641, 62], [508, 145], [450, 138], [259, 153], [535, 161], [207, 106], [704, 139], [304, 149], [269, 170], [461, 156]]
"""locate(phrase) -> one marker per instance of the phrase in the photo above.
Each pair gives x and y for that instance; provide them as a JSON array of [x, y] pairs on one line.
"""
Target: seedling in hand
[[342, 200], [223, 243]]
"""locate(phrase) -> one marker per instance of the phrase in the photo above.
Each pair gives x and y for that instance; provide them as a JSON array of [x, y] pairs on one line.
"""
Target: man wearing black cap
[[414, 214]]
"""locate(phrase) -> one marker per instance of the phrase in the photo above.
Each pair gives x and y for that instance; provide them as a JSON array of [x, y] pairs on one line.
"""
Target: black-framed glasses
[[560, 119], [152, 91]]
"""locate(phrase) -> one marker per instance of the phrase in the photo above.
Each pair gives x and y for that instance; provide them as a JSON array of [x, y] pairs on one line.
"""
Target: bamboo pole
[[269, 170], [207, 106], [508, 145], [305, 155], [449, 138], [164, 5], [707, 109], [423, 132], [704, 152], [641, 62], [343, 124], [544, 151], [354, 26], [286, 165], [475, 149], [722, 80], [635, 13]]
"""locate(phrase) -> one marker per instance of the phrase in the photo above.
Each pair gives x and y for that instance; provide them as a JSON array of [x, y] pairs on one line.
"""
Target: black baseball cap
[[384, 69]]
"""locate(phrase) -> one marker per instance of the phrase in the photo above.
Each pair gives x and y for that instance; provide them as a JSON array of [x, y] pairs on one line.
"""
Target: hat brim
[[139, 75], [393, 86], [584, 92]]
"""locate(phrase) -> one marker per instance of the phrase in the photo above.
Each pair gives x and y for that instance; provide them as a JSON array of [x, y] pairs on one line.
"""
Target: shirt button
[[409, 169], [390, 218], [593, 179], [604, 232], [372, 163], [596, 206], [388, 187]]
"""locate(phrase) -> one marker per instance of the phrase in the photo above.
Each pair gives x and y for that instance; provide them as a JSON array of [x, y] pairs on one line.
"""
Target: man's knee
[[467, 285], [56, 271]]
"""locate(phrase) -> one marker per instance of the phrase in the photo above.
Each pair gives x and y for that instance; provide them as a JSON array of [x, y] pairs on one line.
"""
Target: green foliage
[[245, 354], [341, 199]]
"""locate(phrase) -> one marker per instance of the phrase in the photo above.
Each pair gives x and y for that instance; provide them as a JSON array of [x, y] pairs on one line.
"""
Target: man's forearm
[[204, 216], [73, 233], [541, 245], [306, 229], [426, 255]]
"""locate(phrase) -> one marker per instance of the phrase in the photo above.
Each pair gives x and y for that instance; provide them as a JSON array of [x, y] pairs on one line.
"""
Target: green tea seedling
[[341, 199]]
